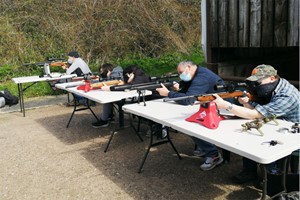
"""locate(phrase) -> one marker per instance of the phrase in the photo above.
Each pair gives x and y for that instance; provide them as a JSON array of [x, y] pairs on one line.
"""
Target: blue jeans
[[78, 98], [208, 148], [251, 166]]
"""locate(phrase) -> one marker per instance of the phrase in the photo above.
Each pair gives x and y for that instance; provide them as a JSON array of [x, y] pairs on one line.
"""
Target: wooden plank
[[243, 34], [255, 23], [233, 23], [223, 20], [267, 33], [293, 23], [214, 31], [280, 23]]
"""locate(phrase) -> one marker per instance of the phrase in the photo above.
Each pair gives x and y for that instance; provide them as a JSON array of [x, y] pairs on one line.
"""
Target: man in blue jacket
[[197, 80]]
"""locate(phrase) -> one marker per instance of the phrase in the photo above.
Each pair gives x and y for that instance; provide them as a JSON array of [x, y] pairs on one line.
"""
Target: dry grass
[[100, 30]]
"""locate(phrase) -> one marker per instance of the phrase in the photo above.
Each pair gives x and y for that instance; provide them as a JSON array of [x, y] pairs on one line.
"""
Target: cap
[[262, 71], [74, 54]]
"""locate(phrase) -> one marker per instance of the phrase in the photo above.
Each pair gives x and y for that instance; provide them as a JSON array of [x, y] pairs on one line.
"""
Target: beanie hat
[[74, 54]]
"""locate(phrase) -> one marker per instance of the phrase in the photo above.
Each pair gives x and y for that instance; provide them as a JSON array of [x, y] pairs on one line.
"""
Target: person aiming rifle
[[132, 75], [196, 80], [281, 99]]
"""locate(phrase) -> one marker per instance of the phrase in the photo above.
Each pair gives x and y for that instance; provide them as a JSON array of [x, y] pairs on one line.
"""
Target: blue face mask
[[70, 60], [185, 76]]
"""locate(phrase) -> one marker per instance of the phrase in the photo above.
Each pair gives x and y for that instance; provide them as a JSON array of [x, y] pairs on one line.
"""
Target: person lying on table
[[197, 80], [132, 75], [281, 99], [109, 72]]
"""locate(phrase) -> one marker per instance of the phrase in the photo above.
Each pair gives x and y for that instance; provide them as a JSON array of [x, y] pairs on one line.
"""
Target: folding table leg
[[121, 125], [75, 110], [151, 144]]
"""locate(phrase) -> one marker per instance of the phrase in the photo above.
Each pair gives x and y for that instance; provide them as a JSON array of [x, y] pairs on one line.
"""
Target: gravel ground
[[42, 159]]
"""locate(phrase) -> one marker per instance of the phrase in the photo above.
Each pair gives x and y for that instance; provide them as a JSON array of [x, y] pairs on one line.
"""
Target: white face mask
[[70, 60]]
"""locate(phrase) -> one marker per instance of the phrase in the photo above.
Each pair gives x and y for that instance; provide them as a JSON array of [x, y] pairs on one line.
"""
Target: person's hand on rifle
[[105, 87], [176, 86], [243, 100], [64, 66], [221, 103], [130, 77], [163, 91]]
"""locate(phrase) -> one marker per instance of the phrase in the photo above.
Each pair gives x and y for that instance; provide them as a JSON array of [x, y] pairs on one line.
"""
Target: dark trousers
[[249, 165]]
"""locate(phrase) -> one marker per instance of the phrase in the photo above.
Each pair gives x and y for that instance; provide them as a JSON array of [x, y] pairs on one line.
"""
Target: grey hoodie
[[117, 72]]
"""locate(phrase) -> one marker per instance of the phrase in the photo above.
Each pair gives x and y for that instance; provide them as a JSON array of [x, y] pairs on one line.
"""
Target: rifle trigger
[[244, 94]]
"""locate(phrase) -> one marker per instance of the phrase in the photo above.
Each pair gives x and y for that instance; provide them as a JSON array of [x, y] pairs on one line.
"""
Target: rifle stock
[[108, 83], [209, 97], [225, 95], [58, 64]]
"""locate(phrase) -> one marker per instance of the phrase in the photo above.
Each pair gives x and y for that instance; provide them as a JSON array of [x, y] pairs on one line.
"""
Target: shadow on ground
[[164, 176]]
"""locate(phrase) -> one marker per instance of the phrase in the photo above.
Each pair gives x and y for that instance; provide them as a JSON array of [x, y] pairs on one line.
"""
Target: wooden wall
[[241, 34], [253, 23]]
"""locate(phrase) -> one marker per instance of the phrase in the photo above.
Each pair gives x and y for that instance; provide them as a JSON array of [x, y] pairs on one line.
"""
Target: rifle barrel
[[128, 86], [179, 98], [153, 86]]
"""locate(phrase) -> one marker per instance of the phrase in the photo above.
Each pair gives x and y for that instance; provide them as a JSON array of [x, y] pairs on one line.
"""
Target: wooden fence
[[253, 23]]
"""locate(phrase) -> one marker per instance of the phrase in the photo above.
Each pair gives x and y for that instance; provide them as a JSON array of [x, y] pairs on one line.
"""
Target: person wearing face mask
[[197, 80], [280, 99], [77, 65]]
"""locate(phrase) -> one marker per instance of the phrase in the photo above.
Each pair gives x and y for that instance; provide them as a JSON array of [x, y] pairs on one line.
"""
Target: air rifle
[[204, 98], [88, 86], [230, 90], [129, 86], [153, 84], [208, 114], [52, 62], [141, 86], [166, 77]]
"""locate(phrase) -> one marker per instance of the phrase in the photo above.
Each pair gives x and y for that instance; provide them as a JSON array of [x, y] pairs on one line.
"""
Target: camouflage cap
[[262, 71]]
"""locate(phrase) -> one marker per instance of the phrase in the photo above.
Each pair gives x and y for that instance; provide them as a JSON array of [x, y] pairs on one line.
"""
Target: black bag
[[9, 98]]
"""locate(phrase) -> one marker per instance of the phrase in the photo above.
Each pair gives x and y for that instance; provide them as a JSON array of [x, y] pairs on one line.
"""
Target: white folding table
[[33, 80], [103, 97], [229, 135]]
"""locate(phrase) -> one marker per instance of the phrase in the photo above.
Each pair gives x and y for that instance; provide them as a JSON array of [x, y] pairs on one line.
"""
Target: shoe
[[244, 177], [211, 162], [164, 133], [198, 153], [100, 123]]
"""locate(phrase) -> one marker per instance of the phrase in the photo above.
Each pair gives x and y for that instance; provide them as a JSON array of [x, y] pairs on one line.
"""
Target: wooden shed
[[238, 35]]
